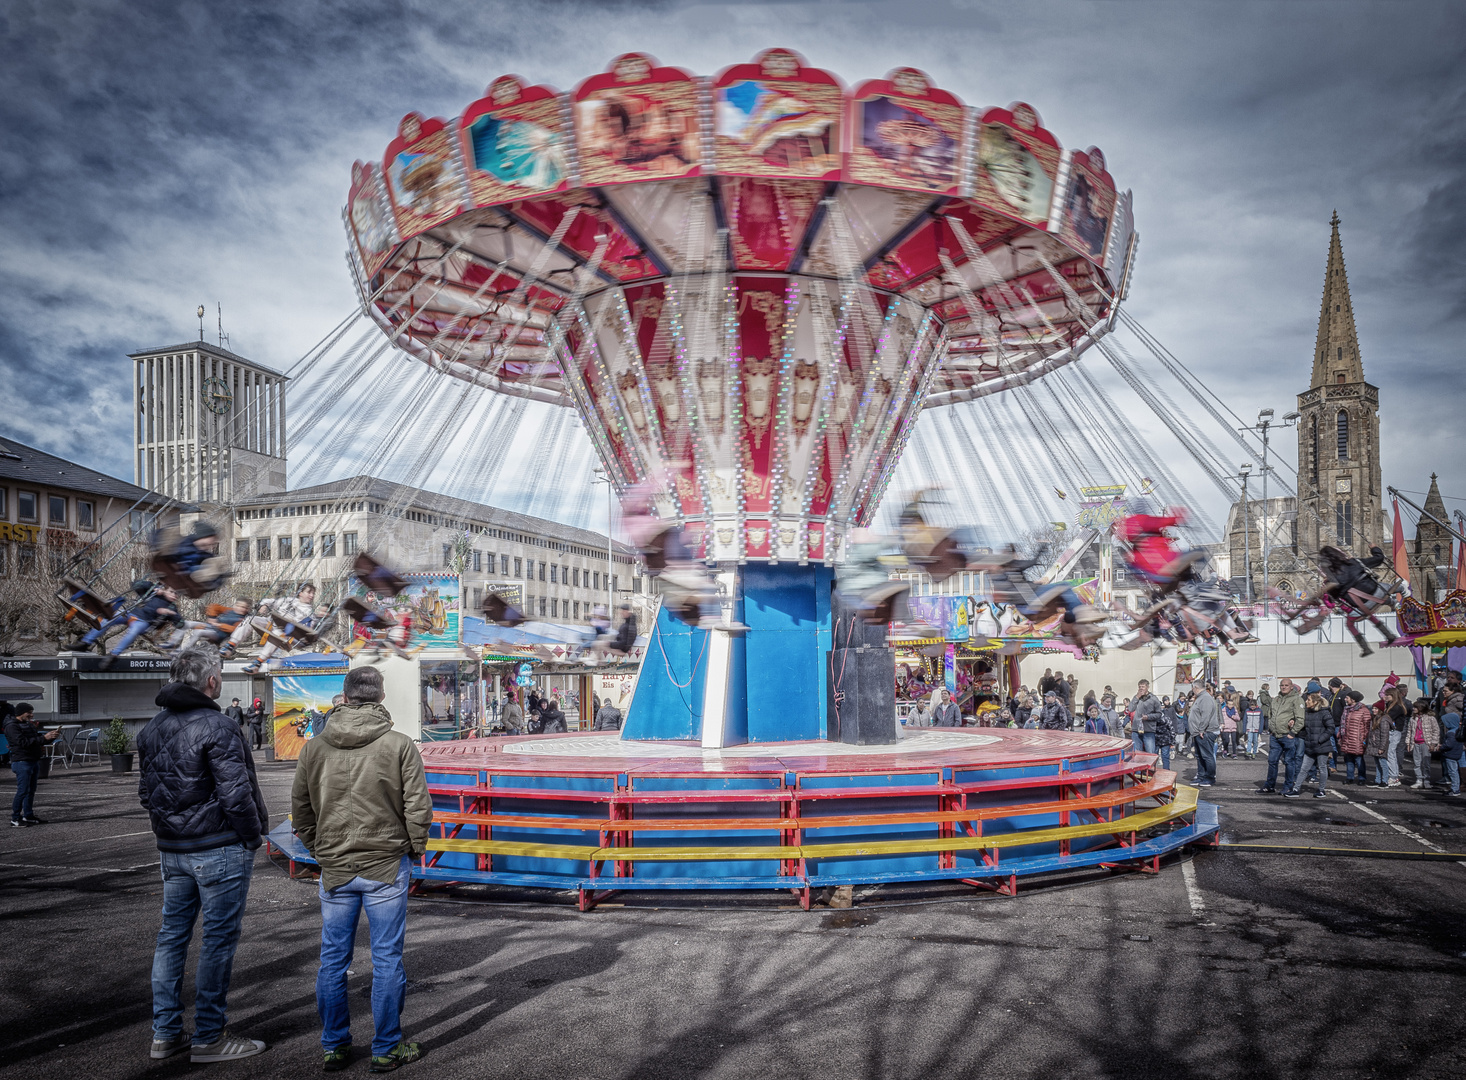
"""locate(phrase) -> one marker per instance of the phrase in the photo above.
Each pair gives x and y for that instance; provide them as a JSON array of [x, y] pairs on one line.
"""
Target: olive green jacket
[[360, 799], [1287, 717]]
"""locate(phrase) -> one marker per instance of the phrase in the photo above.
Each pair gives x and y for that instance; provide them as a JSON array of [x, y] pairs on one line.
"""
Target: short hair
[[304, 585], [363, 685], [1336, 682], [195, 666]]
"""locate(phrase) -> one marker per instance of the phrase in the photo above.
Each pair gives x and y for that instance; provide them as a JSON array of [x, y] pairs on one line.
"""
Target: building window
[[4, 504], [1313, 457], [348, 543], [554, 574], [1343, 426], [542, 607], [27, 505], [447, 555], [241, 551], [615, 583], [564, 575], [1293, 530], [1341, 354], [1344, 523], [262, 548], [478, 561], [86, 515], [25, 560], [542, 570], [328, 545], [504, 565], [554, 608], [307, 547], [4, 560], [57, 510], [576, 605], [56, 559], [285, 546], [596, 581], [518, 568], [576, 572]]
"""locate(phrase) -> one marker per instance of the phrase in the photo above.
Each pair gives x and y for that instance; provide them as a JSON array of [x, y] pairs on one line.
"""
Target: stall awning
[[15, 690], [113, 676]]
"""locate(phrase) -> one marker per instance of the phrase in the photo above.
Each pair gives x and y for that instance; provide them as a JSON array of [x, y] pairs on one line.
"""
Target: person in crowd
[[159, 609], [1094, 723], [1090, 698], [1450, 698], [1394, 699], [513, 715], [1072, 695], [1145, 708], [1318, 732], [1354, 734], [360, 804], [1285, 726], [255, 716], [1452, 749], [1378, 742], [298, 610], [1046, 681], [1265, 703], [215, 629], [235, 712], [1204, 723], [608, 717], [1251, 724], [1114, 720], [552, 720], [1023, 709], [1166, 724], [197, 782], [27, 748], [1055, 716], [1313, 687], [1231, 719], [1424, 733], [946, 713], [1338, 699]]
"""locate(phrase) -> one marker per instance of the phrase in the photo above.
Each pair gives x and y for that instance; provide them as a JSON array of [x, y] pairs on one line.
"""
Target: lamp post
[[602, 478], [1246, 471], [1263, 425]]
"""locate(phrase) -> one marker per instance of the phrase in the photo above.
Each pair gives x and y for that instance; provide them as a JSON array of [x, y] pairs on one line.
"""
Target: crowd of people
[[1306, 732]]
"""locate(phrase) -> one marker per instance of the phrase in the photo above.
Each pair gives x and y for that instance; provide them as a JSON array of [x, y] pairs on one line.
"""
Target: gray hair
[[195, 666], [362, 685]]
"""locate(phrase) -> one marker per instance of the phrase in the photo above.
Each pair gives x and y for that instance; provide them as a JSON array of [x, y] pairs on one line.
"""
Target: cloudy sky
[[159, 156]]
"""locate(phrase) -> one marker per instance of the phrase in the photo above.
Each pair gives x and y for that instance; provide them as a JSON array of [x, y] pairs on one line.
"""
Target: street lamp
[[601, 478], [1264, 423], [1246, 471]]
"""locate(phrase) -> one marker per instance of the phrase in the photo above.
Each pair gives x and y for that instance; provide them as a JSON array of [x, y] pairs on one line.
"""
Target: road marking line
[[1193, 891], [1412, 834], [80, 869]]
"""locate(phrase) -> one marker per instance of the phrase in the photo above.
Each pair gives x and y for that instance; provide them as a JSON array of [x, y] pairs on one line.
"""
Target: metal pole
[[1246, 540], [1426, 513], [1265, 545], [610, 551]]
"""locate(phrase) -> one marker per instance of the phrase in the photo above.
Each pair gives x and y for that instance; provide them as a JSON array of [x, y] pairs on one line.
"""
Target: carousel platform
[[598, 815]]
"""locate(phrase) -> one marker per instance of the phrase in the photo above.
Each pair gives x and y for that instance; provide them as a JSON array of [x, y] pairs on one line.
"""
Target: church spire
[[1336, 352], [1433, 504]]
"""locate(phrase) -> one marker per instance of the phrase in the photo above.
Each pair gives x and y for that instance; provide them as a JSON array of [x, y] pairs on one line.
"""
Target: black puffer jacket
[[197, 776], [1318, 731]]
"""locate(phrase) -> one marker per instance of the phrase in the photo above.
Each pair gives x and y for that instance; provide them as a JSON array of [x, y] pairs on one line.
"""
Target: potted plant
[[114, 743]]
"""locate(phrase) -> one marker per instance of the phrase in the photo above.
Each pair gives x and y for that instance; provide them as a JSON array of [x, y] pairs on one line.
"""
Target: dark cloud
[[159, 155]]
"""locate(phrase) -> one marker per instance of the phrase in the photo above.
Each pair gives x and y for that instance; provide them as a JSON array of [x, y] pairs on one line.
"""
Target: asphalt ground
[[1236, 962]]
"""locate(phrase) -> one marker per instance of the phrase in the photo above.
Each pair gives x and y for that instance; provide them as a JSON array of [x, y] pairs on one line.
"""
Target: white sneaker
[[1393, 783]]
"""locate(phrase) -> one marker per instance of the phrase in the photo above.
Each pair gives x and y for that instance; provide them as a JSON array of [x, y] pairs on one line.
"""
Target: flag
[[1399, 558], [1461, 565]]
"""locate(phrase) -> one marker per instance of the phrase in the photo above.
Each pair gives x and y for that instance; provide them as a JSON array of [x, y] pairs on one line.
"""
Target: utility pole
[[1246, 533], [602, 478], [1264, 423]]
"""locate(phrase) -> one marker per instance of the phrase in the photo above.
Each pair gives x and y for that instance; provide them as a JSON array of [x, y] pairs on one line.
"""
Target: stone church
[[1432, 555], [1340, 495]]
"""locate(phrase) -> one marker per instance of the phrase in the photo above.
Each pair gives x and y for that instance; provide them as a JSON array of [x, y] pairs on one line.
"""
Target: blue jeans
[[1351, 761], [91, 637], [1251, 743], [26, 774], [1453, 773], [1381, 771], [1166, 756], [1280, 748], [215, 882], [386, 911], [1143, 741], [1206, 757], [136, 628]]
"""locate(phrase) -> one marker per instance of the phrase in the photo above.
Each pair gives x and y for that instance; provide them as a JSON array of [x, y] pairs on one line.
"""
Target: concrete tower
[[209, 425], [1340, 500]]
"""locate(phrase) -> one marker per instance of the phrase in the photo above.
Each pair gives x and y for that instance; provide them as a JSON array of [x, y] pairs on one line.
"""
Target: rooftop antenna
[[201, 322], [223, 337]]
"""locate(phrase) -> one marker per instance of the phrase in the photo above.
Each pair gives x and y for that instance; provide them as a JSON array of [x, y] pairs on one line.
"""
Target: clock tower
[[208, 425], [1340, 500]]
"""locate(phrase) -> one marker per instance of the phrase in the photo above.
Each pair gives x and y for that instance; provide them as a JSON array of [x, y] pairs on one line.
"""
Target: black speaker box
[[862, 697]]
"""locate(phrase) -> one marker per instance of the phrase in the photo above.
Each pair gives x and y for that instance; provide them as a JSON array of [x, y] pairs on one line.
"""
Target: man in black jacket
[[27, 747], [198, 784]]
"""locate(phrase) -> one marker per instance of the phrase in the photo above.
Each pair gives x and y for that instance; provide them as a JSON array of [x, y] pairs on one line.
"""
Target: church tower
[[1432, 568], [1340, 500]]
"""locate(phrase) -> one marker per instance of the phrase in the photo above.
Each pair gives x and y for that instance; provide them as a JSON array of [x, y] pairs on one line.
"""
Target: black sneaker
[[1290, 794], [32, 820], [18, 823], [337, 1058], [1267, 791], [1320, 794]]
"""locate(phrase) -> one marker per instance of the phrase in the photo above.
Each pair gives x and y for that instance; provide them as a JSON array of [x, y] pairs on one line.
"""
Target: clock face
[[217, 396]]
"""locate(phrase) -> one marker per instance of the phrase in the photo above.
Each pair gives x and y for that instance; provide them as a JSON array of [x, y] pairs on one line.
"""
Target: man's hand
[[48, 736]]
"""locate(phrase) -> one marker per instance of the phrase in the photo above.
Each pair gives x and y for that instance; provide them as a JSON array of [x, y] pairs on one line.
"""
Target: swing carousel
[[747, 289]]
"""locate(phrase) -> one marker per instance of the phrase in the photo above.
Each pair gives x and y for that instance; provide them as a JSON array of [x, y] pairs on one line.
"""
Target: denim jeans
[[1251, 743], [1143, 741], [215, 882], [1381, 771], [26, 773], [1352, 762], [1393, 762], [91, 637], [1166, 756], [1296, 758], [136, 628], [1453, 773], [1320, 765], [1206, 757], [386, 912], [1280, 748]]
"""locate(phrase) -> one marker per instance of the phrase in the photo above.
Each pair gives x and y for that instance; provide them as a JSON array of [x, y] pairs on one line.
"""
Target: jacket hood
[[349, 726], [181, 698]]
